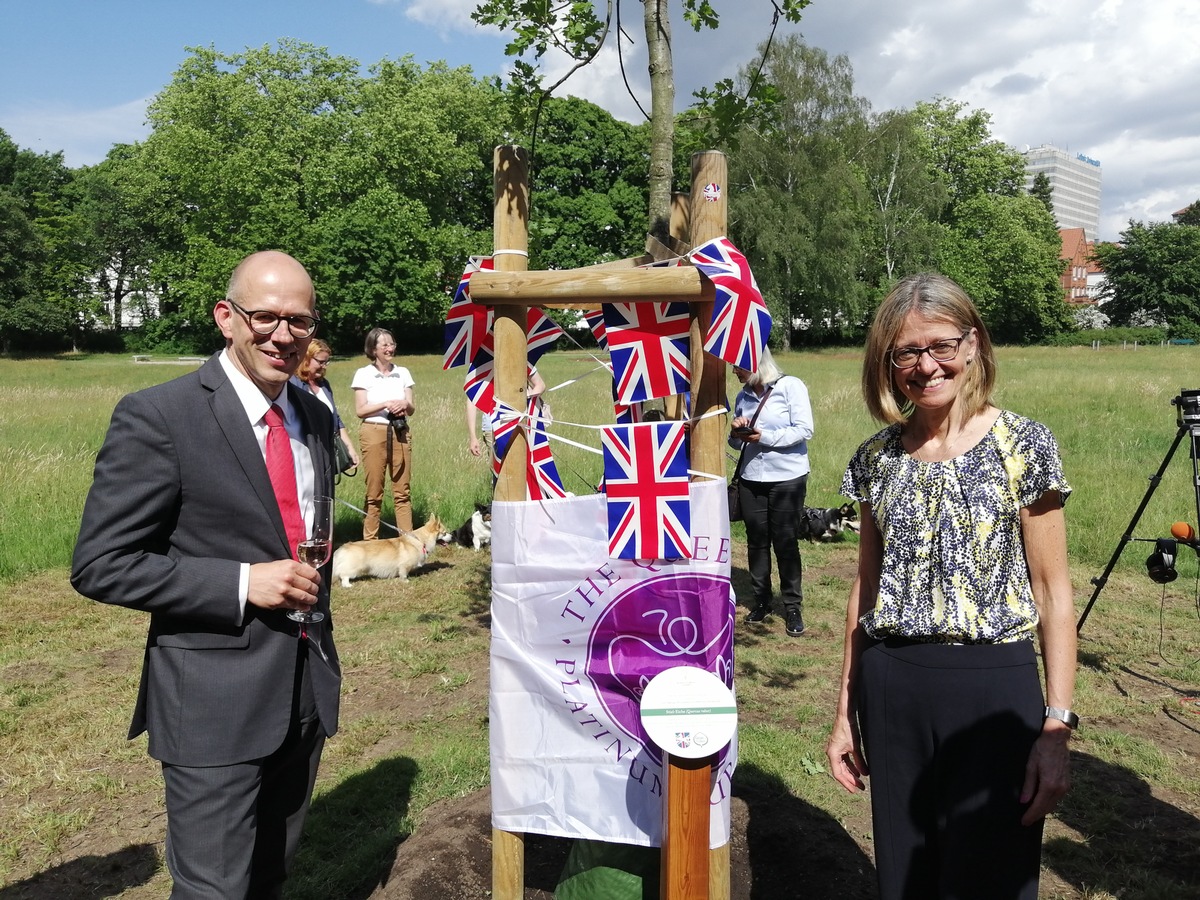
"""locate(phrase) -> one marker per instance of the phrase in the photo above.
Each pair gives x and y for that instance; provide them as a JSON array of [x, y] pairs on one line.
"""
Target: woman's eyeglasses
[[942, 351]]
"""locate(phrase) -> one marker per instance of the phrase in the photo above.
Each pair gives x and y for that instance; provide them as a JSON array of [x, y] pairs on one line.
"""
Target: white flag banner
[[576, 637]]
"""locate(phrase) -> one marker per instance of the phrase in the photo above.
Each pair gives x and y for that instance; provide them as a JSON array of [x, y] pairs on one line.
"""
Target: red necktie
[[282, 470]]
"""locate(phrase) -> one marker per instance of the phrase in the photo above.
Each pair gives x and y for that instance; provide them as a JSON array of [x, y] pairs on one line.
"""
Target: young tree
[[575, 29]]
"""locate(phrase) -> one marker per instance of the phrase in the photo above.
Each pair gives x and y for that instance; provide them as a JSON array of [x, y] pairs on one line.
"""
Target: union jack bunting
[[646, 488], [542, 480], [595, 321], [466, 323], [648, 344], [740, 321], [541, 333], [541, 475], [626, 413], [478, 385]]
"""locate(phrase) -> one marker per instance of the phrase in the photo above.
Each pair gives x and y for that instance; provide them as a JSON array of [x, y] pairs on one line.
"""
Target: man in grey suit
[[183, 522]]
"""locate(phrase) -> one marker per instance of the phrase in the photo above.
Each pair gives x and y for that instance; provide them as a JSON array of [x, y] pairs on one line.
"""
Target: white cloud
[[83, 135], [444, 15]]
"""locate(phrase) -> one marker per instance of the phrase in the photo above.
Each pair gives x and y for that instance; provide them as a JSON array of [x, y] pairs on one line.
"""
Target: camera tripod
[[1188, 419]]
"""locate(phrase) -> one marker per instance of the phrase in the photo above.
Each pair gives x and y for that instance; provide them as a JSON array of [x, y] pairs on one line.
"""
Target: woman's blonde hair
[[315, 346], [934, 298], [766, 372]]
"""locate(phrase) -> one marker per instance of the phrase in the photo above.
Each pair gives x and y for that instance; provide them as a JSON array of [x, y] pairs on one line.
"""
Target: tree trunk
[[662, 115]]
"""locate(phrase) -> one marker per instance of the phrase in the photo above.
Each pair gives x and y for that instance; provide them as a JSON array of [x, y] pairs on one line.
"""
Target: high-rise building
[[1074, 184]]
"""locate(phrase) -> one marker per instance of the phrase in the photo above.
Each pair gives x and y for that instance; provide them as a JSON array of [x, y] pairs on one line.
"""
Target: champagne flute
[[316, 550]]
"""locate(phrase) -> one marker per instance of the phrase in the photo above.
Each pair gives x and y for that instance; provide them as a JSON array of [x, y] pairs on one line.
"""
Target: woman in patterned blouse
[[962, 563]]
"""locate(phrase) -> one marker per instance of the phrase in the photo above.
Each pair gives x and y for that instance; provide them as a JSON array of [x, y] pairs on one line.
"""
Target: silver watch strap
[[1063, 715]]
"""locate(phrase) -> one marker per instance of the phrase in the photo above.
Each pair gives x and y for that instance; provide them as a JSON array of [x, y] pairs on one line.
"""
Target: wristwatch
[[1063, 715]]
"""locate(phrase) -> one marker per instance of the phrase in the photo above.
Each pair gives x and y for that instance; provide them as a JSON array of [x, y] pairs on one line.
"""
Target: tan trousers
[[373, 439]]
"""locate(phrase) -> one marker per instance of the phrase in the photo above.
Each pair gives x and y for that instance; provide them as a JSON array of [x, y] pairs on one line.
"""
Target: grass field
[[78, 801]]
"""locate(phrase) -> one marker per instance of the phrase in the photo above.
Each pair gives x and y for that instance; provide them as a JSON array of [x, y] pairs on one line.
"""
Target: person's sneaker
[[795, 623], [758, 613]]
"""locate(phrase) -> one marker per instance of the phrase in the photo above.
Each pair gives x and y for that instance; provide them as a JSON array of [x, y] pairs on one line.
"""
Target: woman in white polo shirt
[[383, 399]]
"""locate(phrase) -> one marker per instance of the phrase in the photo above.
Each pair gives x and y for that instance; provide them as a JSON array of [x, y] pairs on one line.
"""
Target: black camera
[[1188, 403]]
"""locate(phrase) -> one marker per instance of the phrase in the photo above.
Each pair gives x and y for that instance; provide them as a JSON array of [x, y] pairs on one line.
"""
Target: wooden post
[[685, 856], [690, 871], [681, 215], [511, 237], [709, 219], [709, 215]]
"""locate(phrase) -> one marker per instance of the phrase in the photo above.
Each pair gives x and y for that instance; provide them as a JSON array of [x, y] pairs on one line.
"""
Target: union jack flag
[[467, 323], [541, 333], [646, 484], [626, 413], [542, 480], [740, 323], [648, 343], [595, 321]]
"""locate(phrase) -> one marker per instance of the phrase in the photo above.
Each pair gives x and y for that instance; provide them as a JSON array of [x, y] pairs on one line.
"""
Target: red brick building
[[1077, 252]]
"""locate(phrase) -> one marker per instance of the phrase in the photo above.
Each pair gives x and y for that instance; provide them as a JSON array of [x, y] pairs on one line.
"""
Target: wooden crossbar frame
[[690, 870]]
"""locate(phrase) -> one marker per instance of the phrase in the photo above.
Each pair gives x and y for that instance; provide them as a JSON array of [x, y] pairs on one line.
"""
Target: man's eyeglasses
[[264, 321], [942, 351]]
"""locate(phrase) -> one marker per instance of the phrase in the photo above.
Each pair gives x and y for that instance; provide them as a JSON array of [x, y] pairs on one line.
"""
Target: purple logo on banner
[[672, 620]]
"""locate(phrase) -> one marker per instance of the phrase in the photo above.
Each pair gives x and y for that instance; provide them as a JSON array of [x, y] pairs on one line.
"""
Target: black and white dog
[[476, 532], [828, 523]]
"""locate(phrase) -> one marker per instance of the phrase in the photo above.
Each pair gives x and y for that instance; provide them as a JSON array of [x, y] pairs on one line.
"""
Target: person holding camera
[[383, 399], [772, 424], [962, 563]]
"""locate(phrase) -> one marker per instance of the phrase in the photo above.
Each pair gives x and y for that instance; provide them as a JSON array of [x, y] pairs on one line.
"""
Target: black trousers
[[233, 831], [771, 510], [947, 731]]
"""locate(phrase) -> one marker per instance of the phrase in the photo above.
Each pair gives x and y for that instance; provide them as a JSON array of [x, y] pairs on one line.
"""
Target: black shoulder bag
[[735, 503]]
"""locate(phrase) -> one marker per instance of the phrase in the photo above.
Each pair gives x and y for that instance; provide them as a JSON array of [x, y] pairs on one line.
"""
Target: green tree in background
[[1000, 244], [378, 183], [1004, 251], [1154, 272], [800, 207], [1042, 190], [905, 230], [589, 199]]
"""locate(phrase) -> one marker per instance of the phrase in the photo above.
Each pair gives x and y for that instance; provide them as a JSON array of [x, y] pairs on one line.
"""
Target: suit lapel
[[231, 418]]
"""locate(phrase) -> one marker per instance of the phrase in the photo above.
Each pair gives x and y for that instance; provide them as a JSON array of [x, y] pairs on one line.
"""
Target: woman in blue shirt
[[772, 480]]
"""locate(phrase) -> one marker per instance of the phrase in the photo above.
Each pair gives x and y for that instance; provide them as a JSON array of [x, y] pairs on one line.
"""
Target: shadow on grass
[[794, 848], [353, 832], [1131, 844], [89, 877]]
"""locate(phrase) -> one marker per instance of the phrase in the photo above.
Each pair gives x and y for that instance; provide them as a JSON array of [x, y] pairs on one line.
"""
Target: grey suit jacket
[[181, 498]]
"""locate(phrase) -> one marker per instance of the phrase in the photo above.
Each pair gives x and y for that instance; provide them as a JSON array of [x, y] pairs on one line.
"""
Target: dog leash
[[363, 513]]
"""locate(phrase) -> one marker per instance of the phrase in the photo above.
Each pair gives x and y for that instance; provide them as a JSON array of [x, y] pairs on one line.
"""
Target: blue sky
[[1113, 79]]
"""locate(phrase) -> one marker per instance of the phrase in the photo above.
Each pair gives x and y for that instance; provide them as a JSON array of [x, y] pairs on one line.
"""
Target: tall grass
[[1110, 410]]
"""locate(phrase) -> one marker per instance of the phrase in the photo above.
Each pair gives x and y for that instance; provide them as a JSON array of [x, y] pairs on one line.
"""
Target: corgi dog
[[476, 532], [390, 558]]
